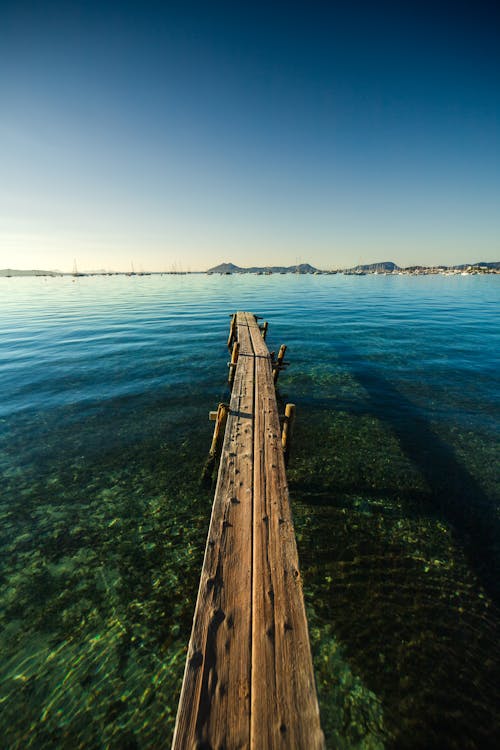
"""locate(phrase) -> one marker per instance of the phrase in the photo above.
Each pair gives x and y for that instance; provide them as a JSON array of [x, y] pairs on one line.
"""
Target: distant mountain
[[14, 272], [386, 266], [225, 268], [231, 268]]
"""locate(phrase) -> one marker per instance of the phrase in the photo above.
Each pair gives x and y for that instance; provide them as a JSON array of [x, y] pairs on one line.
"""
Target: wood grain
[[284, 709], [249, 680]]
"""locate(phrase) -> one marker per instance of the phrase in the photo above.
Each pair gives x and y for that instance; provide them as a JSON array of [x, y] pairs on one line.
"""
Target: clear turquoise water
[[107, 383]]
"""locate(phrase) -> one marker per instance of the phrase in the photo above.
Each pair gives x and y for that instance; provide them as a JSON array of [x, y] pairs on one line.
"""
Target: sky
[[178, 135]]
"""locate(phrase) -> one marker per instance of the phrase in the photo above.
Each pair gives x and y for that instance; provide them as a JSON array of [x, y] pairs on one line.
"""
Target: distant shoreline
[[228, 269]]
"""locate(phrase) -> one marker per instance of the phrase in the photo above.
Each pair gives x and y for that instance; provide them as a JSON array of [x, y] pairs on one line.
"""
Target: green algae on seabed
[[97, 601]]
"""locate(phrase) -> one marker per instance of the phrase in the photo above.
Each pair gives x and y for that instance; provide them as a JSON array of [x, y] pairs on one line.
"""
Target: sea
[[106, 383]]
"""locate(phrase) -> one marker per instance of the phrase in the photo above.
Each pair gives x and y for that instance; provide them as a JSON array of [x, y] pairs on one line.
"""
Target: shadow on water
[[454, 495], [398, 545]]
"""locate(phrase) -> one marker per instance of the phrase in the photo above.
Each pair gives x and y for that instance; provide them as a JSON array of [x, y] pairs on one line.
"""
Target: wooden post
[[232, 364], [286, 435], [263, 329], [232, 332], [220, 424], [279, 362]]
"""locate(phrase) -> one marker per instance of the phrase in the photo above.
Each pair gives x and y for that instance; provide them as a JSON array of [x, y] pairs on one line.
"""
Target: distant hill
[[16, 272], [225, 268], [385, 266], [231, 268]]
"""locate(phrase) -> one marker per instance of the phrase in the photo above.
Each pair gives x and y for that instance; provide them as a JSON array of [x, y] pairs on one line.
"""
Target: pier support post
[[233, 362], [286, 435], [279, 362], [232, 331], [220, 425]]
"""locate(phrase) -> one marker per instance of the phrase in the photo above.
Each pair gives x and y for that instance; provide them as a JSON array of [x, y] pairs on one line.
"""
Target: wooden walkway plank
[[284, 711], [214, 707], [249, 680]]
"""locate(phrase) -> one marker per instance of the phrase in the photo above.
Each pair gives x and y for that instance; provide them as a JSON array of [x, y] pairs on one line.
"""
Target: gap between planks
[[249, 681]]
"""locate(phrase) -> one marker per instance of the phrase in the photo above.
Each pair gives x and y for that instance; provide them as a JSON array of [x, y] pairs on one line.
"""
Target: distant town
[[387, 268]]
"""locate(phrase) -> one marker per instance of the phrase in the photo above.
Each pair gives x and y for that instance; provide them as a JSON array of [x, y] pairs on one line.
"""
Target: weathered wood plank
[[249, 680], [214, 707], [284, 710]]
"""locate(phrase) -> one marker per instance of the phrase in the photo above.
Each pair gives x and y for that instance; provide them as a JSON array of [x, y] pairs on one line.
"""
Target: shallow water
[[106, 385]]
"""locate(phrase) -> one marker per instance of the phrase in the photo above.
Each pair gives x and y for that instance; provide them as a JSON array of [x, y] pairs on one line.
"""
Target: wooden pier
[[249, 680]]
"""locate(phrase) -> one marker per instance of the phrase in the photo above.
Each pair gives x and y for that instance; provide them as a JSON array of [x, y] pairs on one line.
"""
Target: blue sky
[[185, 134]]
